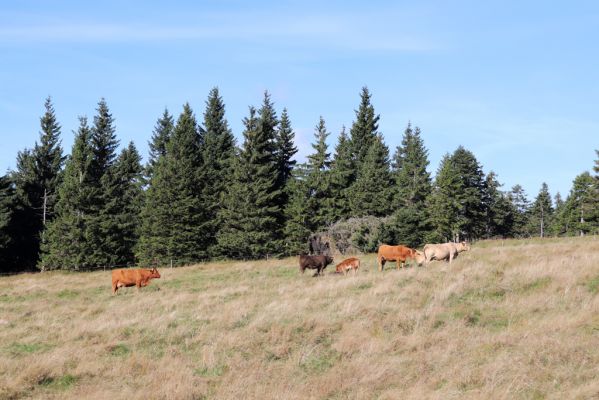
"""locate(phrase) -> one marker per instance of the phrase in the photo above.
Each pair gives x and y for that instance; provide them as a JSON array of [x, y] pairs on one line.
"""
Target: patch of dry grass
[[509, 319]]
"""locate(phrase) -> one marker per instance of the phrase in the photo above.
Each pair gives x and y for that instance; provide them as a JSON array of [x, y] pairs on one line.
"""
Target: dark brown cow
[[400, 254], [319, 263], [346, 265], [132, 277]]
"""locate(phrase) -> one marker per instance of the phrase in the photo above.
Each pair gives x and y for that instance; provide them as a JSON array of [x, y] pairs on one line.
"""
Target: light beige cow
[[444, 251]]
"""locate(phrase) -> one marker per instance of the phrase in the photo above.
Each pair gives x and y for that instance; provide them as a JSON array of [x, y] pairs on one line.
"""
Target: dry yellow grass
[[513, 319]]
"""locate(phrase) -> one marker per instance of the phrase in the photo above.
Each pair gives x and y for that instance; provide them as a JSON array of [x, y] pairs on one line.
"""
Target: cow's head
[[463, 246], [154, 273], [329, 259], [419, 257]]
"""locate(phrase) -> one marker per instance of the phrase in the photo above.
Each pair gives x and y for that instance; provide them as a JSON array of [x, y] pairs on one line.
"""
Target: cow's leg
[[398, 264], [381, 261], [115, 287]]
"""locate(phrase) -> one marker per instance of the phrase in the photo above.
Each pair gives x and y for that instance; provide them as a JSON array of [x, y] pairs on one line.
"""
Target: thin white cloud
[[306, 31]]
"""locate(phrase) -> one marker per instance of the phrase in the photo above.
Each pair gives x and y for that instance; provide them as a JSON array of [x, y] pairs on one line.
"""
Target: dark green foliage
[[443, 207], [499, 210], [321, 203], [104, 143], [372, 194], [579, 207], [409, 224], [8, 205], [119, 218], [457, 205], [409, 169], [38, 175], [163, 131], [342, 176], [285, 150], [298, 223], [173, 216], [66, 244], [521, 207], [251, 211], [364, 130], [218, 152], [541, 213]]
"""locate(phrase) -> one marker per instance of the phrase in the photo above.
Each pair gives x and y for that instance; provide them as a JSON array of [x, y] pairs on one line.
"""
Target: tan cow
[[400, 254], [346, 265], [132, 277], [444, 251]]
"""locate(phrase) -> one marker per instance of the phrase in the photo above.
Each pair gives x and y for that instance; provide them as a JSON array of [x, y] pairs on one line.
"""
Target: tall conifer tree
[[251, 213], [521, 205], [342, 176], [541, 213], [409, 224], [364, 130], [218, 152], [319, 180], [173, 215], [372, 194], [163, 130], [39, 172], [67, 245]]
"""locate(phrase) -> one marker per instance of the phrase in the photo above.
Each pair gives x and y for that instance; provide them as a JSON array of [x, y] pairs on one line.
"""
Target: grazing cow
[[444, 251], [400, 254], [346, 265], [319, 263], [132, 277]]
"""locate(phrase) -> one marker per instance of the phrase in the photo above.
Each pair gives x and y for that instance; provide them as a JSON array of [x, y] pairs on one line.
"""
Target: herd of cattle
[[400, 254]]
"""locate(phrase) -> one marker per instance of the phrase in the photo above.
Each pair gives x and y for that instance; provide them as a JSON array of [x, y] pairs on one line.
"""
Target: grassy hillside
[[513, 319]]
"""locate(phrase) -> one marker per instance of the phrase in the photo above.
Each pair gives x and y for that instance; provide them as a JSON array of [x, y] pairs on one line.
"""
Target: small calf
[[346, 265]]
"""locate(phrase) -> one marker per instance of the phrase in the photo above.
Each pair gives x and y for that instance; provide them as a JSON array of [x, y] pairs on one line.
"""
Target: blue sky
[[515, 82]]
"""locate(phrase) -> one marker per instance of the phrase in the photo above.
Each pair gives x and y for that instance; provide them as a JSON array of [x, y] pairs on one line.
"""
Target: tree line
[[201, 195]]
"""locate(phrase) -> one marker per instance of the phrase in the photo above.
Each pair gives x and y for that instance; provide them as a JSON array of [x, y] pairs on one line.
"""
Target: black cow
[[319, 263]]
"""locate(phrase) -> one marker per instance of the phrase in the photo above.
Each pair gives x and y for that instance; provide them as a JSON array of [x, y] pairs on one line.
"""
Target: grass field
[[507, 320]]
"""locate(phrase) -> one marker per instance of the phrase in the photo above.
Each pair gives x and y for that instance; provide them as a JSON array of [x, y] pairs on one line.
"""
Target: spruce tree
[[251, 213], [342, 176], [38, 175], [409, 224], [298, 212], [321, 204], [103, 144], [541, 213], [580, 206], [372, 193], [163, 130], [443, 206], [8, 204], [409, 169], [364, 130], [285, 150], [471, 196], [218, 152], [67, 245], [558, 222], [120, 215], [173, 216], [521, 206], [500, 213]]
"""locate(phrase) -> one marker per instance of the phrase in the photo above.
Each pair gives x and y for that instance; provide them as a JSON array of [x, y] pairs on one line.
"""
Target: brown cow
[[400, 254], [132, 277], [319, 263], [444, 251], [346, 265]]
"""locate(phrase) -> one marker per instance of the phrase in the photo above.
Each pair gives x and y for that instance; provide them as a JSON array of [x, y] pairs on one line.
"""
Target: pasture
[[516, 319]]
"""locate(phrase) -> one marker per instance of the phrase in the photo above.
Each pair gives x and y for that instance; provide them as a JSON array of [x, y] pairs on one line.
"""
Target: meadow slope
[[509, 319]]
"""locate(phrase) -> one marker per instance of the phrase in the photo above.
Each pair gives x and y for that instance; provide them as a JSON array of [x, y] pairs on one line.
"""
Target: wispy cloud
[[310, 30]]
